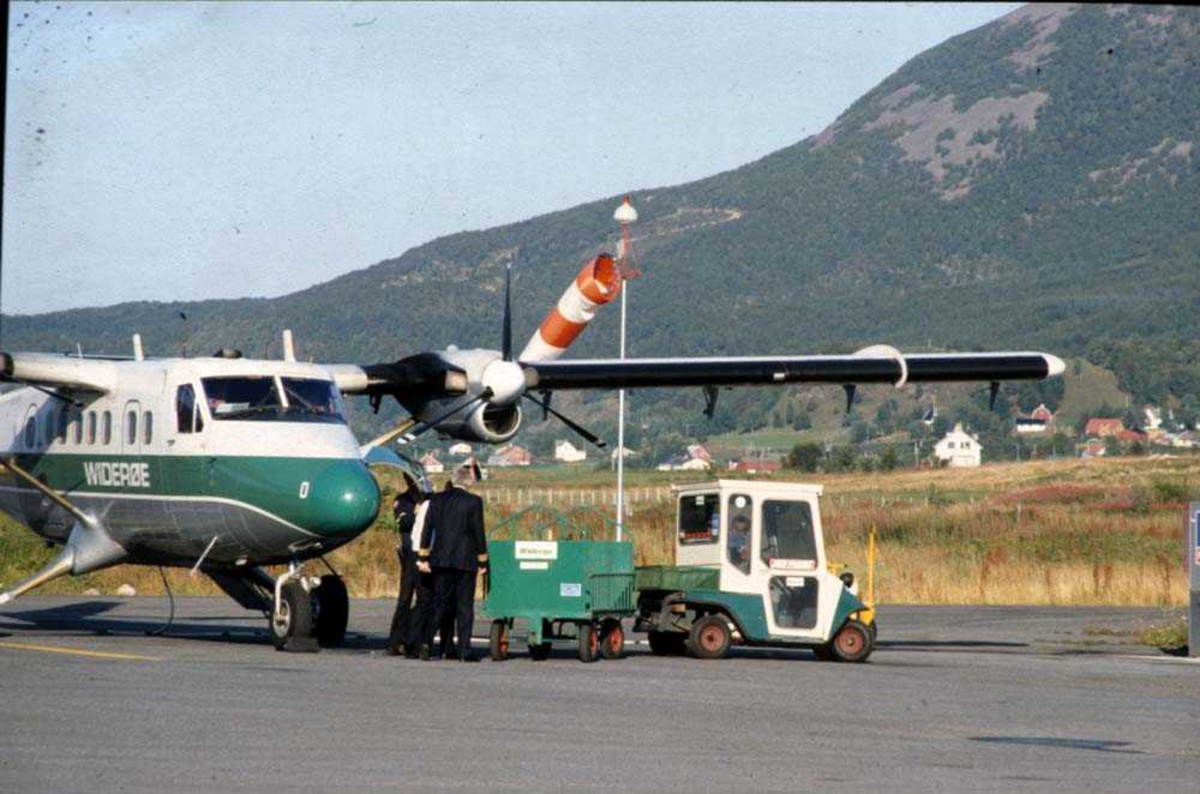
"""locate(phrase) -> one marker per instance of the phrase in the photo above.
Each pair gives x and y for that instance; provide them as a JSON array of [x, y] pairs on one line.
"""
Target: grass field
[[1049, 532]]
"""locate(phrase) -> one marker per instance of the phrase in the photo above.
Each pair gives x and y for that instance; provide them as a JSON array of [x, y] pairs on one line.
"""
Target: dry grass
[[1048, 532]]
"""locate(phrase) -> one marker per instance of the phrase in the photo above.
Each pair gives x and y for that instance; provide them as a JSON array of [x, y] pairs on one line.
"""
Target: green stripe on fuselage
[[333, 497]]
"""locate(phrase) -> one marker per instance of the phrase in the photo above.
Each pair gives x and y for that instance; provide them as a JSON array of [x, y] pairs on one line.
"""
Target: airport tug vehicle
[[751, 570]]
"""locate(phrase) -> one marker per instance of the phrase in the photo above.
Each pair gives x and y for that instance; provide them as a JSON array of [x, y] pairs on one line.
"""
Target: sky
[[184, 151]]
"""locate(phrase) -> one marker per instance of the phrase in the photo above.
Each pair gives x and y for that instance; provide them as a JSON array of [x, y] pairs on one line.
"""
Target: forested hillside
[[1029, 184]]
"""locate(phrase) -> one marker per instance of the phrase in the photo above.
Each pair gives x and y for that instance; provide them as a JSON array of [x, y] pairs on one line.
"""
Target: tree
[[805, 457], [889, 459]]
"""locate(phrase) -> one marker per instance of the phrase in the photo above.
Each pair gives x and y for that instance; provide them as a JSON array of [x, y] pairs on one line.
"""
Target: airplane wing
[[874, 365], [55, 370]]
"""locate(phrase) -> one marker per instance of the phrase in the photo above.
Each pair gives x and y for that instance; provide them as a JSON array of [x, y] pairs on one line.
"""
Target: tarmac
[[954, 699]]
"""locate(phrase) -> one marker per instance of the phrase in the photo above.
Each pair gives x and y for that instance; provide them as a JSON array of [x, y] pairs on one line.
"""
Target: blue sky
[[193, 150]]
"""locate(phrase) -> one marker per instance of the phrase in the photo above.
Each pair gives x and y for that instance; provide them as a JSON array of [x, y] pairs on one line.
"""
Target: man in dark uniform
[[405, 635], [454, 548]]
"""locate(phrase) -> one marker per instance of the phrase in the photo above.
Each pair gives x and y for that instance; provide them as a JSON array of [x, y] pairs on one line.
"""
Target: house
[[460, 450], [1099, 428], [567, 452], [509, 455], [959, 449], [1153, 417], [1132, 437], [1184, 440], [755, 466], [431, 464], [684, 463], [1093, 448], [699, 452], [1040, 420]]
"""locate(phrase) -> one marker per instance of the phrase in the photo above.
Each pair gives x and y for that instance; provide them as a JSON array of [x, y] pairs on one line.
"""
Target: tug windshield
[[266, 398]]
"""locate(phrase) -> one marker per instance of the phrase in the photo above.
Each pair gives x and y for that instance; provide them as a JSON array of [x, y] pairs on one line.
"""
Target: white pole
[[621, 427]]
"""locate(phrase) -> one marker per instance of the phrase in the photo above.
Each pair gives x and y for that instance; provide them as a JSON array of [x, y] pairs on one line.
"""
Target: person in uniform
[[454, 549], [402, 639]]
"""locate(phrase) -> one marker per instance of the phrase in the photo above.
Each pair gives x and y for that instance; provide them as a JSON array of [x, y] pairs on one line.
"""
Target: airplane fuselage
[[179, 464]]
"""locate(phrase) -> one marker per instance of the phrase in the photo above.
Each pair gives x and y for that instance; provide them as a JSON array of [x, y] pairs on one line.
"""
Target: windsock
[[597, 283]]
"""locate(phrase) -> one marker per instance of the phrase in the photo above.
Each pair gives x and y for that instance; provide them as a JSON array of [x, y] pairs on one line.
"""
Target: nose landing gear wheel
[[292, 620], [612, 639], [332, 611]]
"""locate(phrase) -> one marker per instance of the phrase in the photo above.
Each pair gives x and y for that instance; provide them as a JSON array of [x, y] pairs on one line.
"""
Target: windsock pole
[[625, 215]]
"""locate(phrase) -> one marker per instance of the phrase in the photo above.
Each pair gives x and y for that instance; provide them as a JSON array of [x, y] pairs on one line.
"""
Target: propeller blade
[[586, 434], [506, 346]]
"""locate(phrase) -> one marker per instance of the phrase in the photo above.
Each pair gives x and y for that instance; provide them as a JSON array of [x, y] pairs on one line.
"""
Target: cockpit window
[[259, 398], [312, 397]]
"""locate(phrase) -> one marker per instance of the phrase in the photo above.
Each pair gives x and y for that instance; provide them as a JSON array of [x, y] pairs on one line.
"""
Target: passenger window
[[187, 413], [699, 519], [30, 432], [147, 427], [741, 509], [64, 421], [48, 429], [91, 427], [77, 421], [131, 427], [788, 532], [106, 428]]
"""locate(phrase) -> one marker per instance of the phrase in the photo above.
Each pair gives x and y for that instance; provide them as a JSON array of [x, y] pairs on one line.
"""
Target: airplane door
[[185, 466]]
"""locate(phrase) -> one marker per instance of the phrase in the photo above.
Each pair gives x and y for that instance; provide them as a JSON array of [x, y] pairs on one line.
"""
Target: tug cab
[[751, 570]]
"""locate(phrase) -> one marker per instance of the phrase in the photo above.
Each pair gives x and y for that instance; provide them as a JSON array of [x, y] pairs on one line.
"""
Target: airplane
[[226, 464]]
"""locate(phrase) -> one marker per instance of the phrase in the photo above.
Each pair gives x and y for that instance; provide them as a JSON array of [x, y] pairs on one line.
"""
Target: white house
[[431, 463], [959, 449], [566, 452], [460, 450]]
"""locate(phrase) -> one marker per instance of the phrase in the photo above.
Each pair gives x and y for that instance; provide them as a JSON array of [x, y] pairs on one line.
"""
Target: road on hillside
[[955, 699]]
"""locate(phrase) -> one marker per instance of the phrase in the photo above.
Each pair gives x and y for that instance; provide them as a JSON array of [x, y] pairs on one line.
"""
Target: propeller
[[506, 338], [586, 434]]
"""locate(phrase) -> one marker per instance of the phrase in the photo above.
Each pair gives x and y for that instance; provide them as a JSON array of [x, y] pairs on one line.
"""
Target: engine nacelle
[[493, 424]]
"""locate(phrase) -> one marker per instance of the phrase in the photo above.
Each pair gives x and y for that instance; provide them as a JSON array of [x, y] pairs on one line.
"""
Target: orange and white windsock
[[597, 283]]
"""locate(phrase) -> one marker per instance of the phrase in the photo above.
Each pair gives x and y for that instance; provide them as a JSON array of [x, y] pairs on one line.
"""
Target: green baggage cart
[[571, 588]]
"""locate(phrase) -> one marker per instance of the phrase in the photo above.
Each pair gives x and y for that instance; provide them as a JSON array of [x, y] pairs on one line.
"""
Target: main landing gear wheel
[[589, 643], [612, 639], [710, 637], [853, 643], [332, 611], [498, 641], [667, 643], [292, 620]]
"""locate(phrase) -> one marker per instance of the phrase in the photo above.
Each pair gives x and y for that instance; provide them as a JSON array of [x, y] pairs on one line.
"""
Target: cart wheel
[[540, 652], [667, 643], [498, 640], [612, 639], [853, 643], [710, 637], [589, 642]]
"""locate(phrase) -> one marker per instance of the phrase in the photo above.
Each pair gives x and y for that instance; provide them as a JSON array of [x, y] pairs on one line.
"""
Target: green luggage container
[[561, 589]]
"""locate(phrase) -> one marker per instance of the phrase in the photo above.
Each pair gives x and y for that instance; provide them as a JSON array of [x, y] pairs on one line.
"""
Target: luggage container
[[570, 588]]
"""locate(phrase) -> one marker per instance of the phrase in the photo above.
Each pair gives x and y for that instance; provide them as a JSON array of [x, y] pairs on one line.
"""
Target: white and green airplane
[[227, 464]]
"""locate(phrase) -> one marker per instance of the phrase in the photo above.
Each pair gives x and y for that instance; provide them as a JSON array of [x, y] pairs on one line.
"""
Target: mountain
[[1032, 183]]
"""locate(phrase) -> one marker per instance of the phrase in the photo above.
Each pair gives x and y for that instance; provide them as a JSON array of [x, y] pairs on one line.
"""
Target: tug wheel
[[332, 611], [589, 642], [853, 643], [710, 637], [612, 639], [498, 641]]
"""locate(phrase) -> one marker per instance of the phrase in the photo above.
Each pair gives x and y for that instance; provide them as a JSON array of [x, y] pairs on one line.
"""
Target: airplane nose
[[344, 500]]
